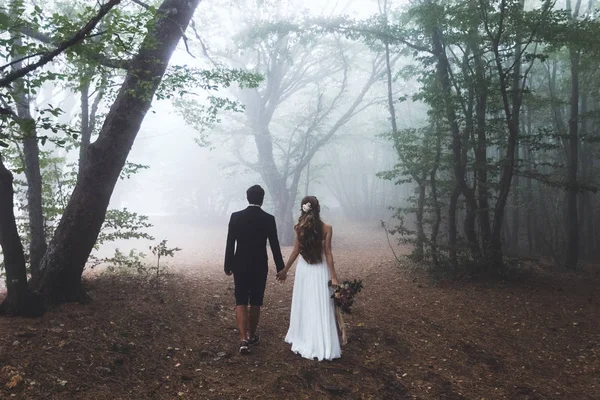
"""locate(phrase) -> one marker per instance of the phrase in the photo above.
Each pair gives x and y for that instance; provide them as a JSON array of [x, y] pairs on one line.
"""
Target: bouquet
[[343, 298], [343, 295]]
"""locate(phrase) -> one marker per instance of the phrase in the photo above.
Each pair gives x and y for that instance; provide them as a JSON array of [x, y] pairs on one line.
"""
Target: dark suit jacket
[[250, 229]]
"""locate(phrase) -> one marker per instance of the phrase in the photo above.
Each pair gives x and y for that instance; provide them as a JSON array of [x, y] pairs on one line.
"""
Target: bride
[[313, 331]]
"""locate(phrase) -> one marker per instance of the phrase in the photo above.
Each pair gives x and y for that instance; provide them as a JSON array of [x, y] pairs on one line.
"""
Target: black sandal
[[244, 349], [253, 340]]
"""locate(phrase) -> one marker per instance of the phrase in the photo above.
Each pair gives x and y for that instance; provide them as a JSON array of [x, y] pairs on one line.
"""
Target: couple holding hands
[[313, 330]]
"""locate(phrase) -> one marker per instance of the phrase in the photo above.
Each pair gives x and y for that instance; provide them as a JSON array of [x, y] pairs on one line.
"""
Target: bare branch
[[377, 71], [142, 4], [20, 60], [204, 48], [253, 166]]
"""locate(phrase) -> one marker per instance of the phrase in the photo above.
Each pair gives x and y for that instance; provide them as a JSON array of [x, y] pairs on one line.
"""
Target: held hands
[[282, 275]]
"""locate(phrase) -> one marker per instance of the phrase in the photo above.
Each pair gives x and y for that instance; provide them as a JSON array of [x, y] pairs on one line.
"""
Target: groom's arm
[[230, 247], [274, 243]]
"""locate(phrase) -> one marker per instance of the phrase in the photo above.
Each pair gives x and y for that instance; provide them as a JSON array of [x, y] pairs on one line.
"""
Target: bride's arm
[[291, 260], [329, 256]]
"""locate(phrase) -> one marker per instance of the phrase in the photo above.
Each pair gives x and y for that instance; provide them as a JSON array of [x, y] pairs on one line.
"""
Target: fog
[[189, 188], [453, 146], [351, 102]]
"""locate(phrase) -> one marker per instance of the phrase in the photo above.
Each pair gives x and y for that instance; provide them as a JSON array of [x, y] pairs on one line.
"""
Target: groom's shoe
[[244, 349], [253, 340]]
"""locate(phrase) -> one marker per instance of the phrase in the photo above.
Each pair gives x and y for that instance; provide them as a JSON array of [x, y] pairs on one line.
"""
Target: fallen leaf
[[14, 381]]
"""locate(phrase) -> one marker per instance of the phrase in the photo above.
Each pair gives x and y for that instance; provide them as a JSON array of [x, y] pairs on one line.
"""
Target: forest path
[[408, 339]]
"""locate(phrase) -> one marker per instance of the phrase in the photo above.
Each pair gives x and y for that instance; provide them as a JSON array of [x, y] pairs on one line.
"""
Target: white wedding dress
[[313, 331]]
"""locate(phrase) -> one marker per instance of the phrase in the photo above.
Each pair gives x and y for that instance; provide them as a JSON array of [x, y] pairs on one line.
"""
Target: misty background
[[195, 178], [346, 111]]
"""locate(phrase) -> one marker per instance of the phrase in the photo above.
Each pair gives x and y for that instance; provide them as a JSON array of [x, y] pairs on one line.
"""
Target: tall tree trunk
[[86, 135], [88, 114], [442, 69], [276, 184], [307, 186], [516, 218], [572, 221], [530, 207], [284, 216], [528, 162], [590, 227], [452, 231], [471, 233], [512, 108], [19, 300], [419, 252], [31, 156], [78, 230], [481, 163], [467, 138], [434, 196], [585, 211]]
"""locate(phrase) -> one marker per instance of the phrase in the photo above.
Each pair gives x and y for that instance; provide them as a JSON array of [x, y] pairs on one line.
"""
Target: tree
[[80, 225], [102, 162], [572, 219], [474, 62], [19, 300], [47, 57], [351, 175], [309, 135], [32, 168], [298, 66]]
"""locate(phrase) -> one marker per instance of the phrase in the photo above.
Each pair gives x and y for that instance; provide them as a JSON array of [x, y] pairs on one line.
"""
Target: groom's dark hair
[[255, 195]]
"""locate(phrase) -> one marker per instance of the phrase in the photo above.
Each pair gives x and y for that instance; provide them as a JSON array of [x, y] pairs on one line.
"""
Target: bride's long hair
[[310, 230]]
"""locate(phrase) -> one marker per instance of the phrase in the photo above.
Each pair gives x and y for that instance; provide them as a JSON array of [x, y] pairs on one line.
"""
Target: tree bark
[[442, 69], [434, 197], [74, 238], [276, 184], [512, 109], [481, 145], [572, 220], [467, 137], [86, 135], [19, 300], [452, 230], [419, 252], [88, 115], [530, 208], [516, 220], [586, 208], [33, 175], [284, 215]]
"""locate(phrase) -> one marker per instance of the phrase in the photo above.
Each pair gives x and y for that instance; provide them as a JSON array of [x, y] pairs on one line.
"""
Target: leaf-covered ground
[[537, 338]]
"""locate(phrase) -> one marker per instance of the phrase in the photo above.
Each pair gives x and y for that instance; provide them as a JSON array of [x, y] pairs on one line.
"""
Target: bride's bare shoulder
[[327, 229]]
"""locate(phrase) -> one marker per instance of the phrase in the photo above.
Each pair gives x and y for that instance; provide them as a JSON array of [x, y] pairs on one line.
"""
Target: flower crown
[[306, 207]]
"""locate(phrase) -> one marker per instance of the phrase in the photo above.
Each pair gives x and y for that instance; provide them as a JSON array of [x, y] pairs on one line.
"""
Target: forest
[[453, 146]]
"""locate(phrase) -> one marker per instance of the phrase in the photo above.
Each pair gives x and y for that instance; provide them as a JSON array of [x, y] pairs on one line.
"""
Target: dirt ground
[[535, 338]]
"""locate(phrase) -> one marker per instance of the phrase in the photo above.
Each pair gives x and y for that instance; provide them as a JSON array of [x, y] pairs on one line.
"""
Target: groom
[[250, 229]]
